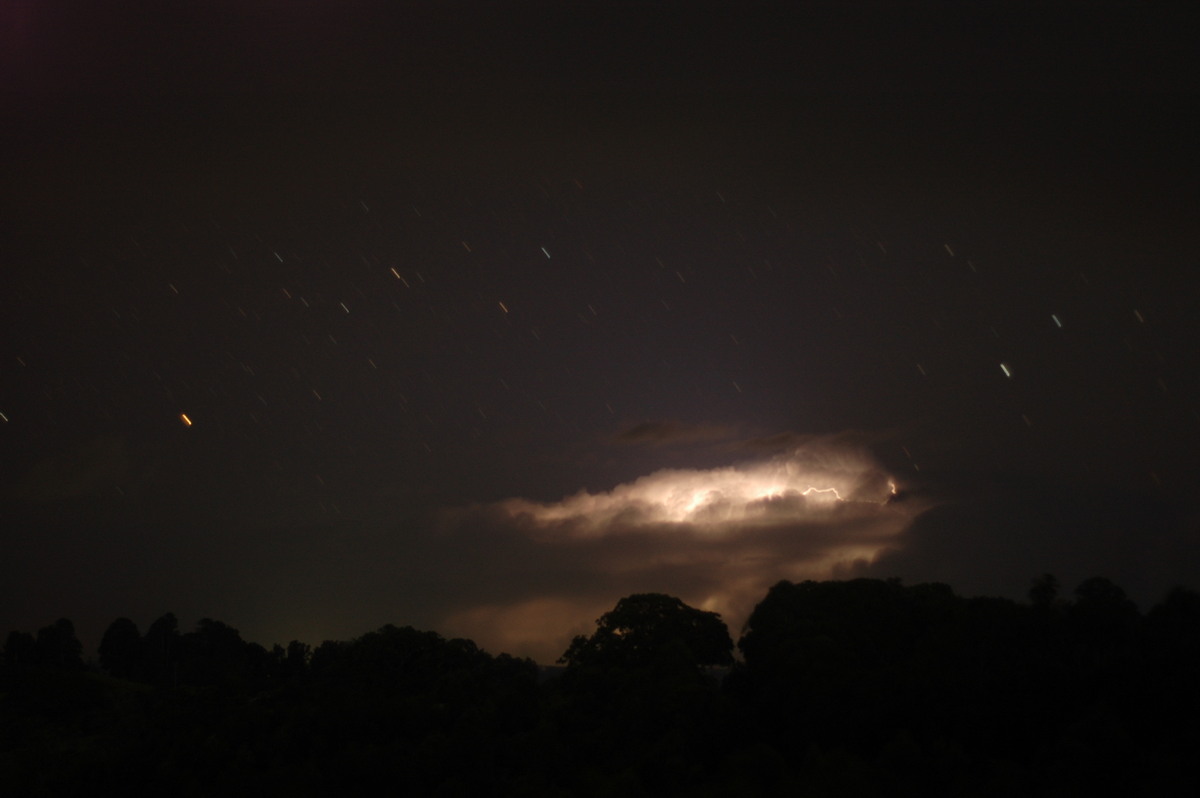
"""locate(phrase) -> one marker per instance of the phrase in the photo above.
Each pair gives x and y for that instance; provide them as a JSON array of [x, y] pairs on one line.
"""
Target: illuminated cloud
[[805, 484], [717, 538]]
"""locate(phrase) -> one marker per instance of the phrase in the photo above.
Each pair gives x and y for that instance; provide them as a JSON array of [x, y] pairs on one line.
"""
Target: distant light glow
[[187, 422], [1007, 371], [1057, 321]]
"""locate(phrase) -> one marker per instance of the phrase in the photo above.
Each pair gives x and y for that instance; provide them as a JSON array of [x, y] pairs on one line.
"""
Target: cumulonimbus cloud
[[718, 538]]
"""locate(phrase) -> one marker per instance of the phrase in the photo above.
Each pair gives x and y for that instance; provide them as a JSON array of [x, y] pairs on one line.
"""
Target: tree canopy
[[862, 687], [646, 628]]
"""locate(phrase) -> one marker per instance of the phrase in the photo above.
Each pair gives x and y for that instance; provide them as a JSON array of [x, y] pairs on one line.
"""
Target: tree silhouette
[[1043, 591], [634, 702], [1098, 595], [863, 687], [18, 650], [645, 628], [162, 649], [290, 662], [57, 646], [1102, 618], [121, 649], [297, 657], [215, 654]]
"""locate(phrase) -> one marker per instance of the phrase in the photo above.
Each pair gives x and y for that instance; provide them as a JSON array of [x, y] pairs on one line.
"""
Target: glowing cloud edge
[[802, 484]]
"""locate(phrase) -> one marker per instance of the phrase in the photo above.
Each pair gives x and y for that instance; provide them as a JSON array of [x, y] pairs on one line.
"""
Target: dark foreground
[[844, 688]]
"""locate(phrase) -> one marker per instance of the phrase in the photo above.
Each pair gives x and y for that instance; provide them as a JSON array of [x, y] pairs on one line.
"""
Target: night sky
[[479, 316]]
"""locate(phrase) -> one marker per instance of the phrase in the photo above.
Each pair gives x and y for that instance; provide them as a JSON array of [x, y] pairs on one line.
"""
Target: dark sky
[[419, 273]]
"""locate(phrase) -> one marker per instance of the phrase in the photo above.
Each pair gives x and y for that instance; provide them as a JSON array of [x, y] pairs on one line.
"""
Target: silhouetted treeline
[[864, 687]]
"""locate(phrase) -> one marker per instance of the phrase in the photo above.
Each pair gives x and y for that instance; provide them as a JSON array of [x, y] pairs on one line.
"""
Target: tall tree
[[18, 650], [121, 649], [162, 649], [645, 628], [215, 654], [1043, 591], [57, 646]]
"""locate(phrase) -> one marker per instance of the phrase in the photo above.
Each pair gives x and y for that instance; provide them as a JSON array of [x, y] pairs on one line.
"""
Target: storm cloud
[[533, 574]]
